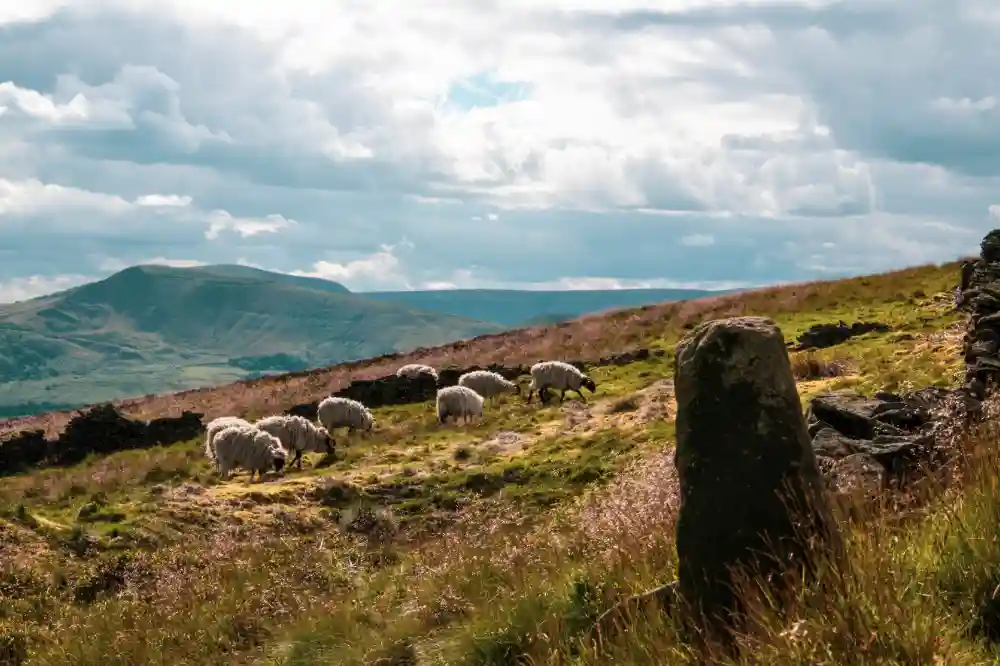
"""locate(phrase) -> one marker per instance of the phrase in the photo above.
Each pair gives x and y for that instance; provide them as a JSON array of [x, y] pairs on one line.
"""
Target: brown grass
[[810, 366]]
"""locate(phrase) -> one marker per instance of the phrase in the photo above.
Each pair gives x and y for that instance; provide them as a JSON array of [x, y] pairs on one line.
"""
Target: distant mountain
[[152, 329], [528, 308]]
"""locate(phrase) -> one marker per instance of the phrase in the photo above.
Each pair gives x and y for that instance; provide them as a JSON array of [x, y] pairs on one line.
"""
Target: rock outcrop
[[101, 430], [751, 492], [821, 336], [889, 436]]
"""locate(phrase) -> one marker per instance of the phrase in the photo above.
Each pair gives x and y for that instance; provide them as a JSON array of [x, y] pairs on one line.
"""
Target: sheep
[[460, 402], [213, 428], [248, 447], [488, 384], [297, 434], [336, 412], [416, 370], [558, 375]]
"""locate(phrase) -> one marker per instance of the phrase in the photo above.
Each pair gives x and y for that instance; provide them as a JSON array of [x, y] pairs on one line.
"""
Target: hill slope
[[150, 329], [531, 521], [527, 308]]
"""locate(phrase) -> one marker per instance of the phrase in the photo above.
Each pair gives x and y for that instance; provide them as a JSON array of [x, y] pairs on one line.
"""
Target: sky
[[496, 143]]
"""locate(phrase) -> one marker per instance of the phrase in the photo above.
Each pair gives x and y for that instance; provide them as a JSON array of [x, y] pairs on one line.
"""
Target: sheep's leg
[[562, 396], [577, 391], [297, 460]]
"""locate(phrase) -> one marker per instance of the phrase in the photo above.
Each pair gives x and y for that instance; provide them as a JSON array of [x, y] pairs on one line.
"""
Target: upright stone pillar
[[751, 493]]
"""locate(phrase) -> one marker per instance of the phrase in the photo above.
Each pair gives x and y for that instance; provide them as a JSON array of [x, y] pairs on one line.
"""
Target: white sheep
[[460, 402], [488, 384], [560, 376], [297, 434], [248, 447], [416, 370], [214, 427], [337, 412]]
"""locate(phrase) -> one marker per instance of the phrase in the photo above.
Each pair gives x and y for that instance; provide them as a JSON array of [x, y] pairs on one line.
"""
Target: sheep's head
[[323, 442], [277, 451], [589, 383]]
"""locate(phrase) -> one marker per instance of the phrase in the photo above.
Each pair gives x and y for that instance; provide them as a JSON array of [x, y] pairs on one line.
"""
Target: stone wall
[[101, 430], [393, 390], [979, 295], [872, 443]]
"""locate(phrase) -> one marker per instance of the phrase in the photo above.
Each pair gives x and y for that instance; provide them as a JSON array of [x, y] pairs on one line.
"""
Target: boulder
[[829, 443], [849, 413], [751, 491], [855, 480]]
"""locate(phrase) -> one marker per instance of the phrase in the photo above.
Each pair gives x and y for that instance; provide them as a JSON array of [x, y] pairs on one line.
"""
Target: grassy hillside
[[525, 308], [150, 329], [494, 543]]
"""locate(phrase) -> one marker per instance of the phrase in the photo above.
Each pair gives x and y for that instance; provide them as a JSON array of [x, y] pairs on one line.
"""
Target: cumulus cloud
[[369, 273], [31, 286], [560, 142]]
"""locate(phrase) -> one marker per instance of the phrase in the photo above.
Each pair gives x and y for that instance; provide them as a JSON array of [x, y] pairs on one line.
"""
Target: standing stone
[[744, 462]]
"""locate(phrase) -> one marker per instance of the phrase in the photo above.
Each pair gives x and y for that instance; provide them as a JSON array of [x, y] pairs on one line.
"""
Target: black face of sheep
[[279, 464], [590, 385], [328, 443]]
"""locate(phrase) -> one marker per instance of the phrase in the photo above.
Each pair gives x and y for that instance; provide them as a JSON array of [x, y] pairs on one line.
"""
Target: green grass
[[498, 542]]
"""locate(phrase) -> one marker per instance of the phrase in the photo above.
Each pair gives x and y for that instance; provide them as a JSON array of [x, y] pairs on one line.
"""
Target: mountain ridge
[[146, 329], [152, 329]]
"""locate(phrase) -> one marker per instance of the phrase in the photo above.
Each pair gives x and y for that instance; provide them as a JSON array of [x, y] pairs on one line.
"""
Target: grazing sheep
[[298, 435], [415, 370], [248, 447], [336, 412], [213, 428], [558, 375], [460, 402], [488, 384]]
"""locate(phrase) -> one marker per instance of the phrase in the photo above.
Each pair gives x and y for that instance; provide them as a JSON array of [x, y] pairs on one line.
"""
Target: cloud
[[220, 220], [375, 269], [31, 286], [698, 240], [561, 142]]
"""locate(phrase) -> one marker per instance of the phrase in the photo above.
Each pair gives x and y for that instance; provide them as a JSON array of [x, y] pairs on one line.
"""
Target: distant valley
[[517, 308], [154, 329]]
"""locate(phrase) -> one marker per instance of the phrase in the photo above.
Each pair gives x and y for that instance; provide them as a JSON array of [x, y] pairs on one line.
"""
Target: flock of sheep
[[231, 441]]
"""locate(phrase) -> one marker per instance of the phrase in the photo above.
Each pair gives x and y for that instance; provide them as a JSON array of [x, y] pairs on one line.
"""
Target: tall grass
[[919, 586]]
